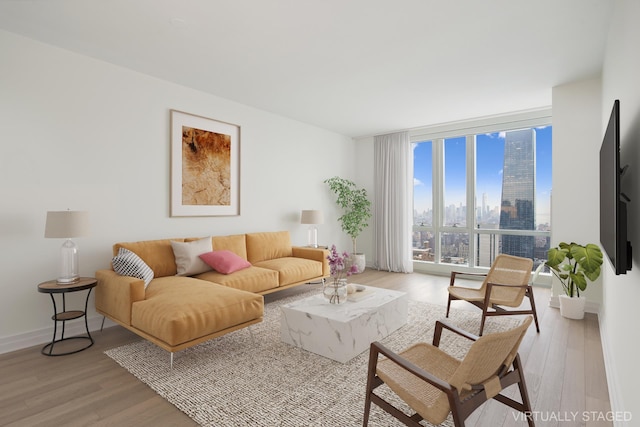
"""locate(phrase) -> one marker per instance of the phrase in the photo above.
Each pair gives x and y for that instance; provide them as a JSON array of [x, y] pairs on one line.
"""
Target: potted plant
[[574, 265], [357, 211]]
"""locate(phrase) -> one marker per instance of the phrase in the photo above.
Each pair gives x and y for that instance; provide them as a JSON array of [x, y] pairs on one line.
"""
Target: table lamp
[[312, 217], [66, 225]]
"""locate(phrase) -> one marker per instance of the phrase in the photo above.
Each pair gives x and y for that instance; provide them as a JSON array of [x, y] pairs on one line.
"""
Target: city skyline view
[[489, 175], [518, 192]]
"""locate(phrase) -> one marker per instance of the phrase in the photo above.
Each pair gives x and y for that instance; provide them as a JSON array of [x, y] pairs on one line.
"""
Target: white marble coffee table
[[341, 332]]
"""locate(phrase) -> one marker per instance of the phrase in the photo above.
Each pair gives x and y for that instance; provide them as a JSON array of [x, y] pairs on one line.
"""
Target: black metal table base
[[51, 344], [63, 317]]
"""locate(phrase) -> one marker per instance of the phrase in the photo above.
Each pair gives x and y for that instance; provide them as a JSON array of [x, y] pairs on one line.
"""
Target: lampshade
[[311, 217], [65, 225]]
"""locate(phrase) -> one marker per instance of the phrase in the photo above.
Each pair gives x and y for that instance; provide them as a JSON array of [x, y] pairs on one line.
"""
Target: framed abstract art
[[205, 166]]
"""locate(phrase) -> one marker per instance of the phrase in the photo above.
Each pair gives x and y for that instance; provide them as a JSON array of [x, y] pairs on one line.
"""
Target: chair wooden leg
[[517, 376], [452, 280], [533, 307], [484, 317], [367, 409], [456, 411], [371, 372], [485, 307], [522, 385]]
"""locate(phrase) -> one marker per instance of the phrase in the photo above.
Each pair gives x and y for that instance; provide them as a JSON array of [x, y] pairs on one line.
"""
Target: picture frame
[[205, 166]]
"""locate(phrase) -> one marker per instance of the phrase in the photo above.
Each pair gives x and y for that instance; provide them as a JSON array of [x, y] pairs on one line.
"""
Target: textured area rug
[[235, 380]]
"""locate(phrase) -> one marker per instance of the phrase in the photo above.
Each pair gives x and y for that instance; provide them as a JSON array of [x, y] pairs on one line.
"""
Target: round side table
[[52, 287]]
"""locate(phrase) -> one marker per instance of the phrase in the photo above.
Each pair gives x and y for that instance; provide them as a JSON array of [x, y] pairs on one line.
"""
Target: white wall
[[87, 135], [575, 204], [621, 294], [365, 179]]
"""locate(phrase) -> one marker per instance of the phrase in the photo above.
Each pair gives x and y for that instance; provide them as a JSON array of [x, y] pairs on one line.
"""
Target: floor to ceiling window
[[483, 191]]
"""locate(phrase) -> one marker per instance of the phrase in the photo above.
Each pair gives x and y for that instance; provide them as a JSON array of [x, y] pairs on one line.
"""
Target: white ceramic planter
[[360, 261], [572, 308]]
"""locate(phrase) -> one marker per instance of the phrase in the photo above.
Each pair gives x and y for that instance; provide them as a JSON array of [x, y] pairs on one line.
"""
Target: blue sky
[[489, 161]]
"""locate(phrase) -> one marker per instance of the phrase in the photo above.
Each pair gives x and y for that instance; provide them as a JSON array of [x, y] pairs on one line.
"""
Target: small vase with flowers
[[340, 266]]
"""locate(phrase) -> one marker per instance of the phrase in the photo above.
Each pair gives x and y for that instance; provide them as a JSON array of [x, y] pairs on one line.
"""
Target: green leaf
[[555, 256], [580, 281], [355, 204], [574, 265]]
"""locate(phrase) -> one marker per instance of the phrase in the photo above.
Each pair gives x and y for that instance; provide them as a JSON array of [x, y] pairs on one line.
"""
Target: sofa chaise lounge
[[175, 310]]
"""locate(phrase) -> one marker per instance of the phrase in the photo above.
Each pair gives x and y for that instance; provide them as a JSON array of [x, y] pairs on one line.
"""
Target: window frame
[[469, 128]]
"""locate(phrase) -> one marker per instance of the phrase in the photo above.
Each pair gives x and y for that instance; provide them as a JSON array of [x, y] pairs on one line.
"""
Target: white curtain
[[393, 191]]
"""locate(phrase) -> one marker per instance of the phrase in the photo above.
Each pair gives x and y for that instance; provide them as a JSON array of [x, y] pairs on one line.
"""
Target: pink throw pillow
[[225, 262]]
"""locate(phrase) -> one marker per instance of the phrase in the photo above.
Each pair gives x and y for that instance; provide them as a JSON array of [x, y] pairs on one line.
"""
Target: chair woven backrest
[[488, 355], [509, 270]]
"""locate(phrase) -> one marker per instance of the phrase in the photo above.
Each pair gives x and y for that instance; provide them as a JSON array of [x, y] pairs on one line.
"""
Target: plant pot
[[359, 261], [572, 307]]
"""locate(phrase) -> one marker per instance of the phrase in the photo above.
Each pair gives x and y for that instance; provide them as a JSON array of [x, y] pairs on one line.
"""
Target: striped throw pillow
[[127, 263]]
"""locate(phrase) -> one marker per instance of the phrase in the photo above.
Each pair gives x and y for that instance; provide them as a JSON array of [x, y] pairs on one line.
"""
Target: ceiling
[[355, 67]]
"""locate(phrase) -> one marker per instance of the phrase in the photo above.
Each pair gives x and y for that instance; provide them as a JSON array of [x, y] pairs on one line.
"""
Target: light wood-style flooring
[[564, 370]]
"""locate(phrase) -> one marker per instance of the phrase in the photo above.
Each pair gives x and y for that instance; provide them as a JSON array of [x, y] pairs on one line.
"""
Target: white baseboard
[[613, 385], [44, 336]]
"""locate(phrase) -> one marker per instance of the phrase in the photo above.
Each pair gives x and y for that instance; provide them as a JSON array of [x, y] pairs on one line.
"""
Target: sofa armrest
[[115, 294], [315, 254]]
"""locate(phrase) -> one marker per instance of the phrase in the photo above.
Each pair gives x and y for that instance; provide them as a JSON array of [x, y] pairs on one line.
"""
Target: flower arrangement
[[340, 265]]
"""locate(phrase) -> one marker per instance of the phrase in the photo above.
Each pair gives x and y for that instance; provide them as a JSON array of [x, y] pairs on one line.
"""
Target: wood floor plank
[[90, 389], [573, 384]]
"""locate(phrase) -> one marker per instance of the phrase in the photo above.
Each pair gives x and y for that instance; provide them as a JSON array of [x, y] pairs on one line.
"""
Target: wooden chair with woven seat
[[434, 383], [505, 285]]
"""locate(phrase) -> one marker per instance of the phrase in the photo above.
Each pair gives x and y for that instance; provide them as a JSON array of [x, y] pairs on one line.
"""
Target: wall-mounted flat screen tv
[[613, 203]]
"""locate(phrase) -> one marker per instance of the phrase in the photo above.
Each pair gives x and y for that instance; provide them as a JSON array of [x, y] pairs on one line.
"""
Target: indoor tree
[[355, 205]]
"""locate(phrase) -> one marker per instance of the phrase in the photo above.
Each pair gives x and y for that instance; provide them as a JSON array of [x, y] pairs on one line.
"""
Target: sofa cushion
[[179, 309], [269, 245], [252, 279], [224, 261], [235, 243], [293, 270], [157, 254], [127, 263], [187, 256]]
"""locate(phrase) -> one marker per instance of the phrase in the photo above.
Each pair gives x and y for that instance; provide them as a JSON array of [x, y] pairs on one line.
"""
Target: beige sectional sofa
[[175, 311]]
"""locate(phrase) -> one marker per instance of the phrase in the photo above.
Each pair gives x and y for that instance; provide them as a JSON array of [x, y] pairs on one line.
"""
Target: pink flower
[[340, 265]]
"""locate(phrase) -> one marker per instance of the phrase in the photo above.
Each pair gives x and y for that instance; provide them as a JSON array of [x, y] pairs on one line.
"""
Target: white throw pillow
[[127, 263], [187, 256]]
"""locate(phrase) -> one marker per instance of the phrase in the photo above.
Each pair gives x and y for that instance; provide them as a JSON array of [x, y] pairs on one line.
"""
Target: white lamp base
[[312, 236], [68, 263]]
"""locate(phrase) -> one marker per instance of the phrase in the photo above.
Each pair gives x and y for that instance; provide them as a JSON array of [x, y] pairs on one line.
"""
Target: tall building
[[485, 207], [517, 209]]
